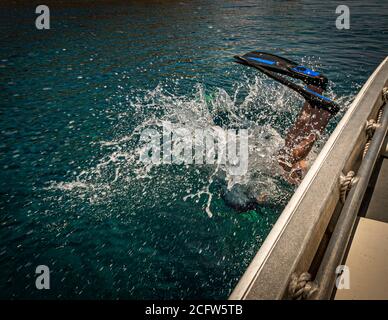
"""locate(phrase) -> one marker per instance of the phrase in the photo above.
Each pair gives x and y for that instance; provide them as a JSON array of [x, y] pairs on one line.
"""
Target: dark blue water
[[70, 98]]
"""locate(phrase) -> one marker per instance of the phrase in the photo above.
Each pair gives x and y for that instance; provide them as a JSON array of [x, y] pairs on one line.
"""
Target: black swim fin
[[271, 64]]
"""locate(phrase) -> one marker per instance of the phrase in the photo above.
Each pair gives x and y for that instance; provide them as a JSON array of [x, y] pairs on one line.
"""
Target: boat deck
[[368, 251], [378, 205]]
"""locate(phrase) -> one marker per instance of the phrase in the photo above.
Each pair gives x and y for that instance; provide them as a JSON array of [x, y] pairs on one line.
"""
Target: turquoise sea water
[[71, 196]]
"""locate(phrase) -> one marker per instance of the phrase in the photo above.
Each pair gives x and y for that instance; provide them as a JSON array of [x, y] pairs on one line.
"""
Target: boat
[[331, 240]]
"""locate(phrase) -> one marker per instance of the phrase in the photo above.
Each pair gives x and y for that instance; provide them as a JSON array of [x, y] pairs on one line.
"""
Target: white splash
[[119, 171]]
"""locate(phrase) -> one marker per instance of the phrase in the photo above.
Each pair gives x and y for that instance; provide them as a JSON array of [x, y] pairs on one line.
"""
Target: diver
[[310, 123]]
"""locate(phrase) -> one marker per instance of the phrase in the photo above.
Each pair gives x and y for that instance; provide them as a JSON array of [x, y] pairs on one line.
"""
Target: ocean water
[[74, 98]]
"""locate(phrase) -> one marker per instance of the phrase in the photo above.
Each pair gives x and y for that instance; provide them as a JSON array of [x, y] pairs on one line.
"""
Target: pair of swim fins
[[272, 65]]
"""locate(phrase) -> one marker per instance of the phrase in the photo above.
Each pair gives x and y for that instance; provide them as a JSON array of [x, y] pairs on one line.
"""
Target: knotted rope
[[301, 287], [369, 129], [385, 94], [346, 183]]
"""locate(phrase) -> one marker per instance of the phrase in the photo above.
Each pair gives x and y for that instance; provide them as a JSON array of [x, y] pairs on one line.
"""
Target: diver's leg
[[300, 139], [314, 127]]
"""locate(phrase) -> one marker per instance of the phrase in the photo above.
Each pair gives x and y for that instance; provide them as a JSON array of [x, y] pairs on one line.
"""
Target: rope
[[301, 287], [346, 183], [385, 94], [366, 148], [370, 127], [380, 114]]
